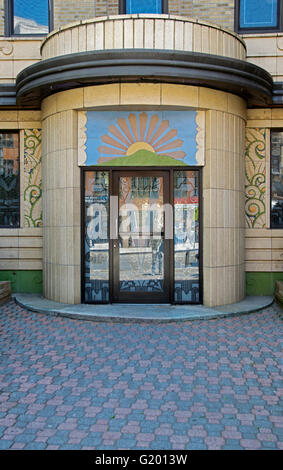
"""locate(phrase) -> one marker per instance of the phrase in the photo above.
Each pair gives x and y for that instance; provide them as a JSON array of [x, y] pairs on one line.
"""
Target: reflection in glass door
[[96, 242], [186, 237], [140, 252]]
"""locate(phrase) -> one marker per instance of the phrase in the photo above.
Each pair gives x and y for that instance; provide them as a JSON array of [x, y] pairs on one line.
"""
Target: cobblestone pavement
[[69, 384]]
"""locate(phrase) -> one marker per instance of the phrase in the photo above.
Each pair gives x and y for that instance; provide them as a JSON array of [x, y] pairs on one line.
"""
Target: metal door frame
[[171, 268]]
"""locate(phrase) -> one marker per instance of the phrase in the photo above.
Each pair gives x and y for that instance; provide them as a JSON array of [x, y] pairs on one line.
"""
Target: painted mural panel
[[32, 178], [255, 178], [141, 138]]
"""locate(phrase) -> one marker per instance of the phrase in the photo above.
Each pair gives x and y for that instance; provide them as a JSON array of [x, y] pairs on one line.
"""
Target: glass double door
[[140, 236], [141, 245]]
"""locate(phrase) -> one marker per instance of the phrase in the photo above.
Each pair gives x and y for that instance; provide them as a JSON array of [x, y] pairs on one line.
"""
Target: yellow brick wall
[[220, 12], [68, 11]]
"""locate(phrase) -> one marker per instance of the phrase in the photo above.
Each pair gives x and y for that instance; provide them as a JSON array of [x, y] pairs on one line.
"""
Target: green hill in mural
[[144, 158]]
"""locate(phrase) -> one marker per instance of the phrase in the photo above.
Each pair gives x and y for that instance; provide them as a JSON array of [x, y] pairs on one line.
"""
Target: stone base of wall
[[257, 283], [29, 282], [262, 283]]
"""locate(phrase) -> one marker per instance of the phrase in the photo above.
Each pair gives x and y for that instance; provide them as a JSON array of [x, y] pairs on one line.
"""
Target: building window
[[276, 165], [9, 180], [28, 17], [143, 6], [258, 15]]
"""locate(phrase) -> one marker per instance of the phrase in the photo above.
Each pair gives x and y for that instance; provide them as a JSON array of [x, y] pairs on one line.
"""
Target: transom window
[[143, 6], [28, 17], [258, 15]]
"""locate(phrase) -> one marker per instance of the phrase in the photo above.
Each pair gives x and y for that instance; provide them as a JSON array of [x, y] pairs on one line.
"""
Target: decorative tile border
[[255, 172], [82, 121], [32, 178], [200, 138]]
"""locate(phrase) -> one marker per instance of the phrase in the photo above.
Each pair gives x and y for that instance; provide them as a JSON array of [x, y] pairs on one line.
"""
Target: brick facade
[[220, 12], [73, 10]]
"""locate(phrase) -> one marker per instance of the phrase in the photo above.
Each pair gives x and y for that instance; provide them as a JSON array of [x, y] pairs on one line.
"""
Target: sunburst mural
[[138, 138], [127, 136]]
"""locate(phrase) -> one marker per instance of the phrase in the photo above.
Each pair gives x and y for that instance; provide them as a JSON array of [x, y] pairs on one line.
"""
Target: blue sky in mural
[[143, 6], [113, 134], [36, 10]]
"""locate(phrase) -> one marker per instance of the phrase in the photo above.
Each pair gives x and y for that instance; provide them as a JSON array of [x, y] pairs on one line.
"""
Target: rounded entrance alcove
[[222, 199], [190, 75]]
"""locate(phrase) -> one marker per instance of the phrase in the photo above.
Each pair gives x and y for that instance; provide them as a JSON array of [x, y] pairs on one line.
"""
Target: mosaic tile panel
[[32, 178], [255, 170]]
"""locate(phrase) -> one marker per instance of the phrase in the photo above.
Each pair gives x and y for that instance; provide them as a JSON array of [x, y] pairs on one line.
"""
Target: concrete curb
[[157, 313]]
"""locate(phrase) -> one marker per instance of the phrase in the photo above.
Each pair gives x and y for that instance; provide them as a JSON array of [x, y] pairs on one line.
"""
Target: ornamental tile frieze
[[32, 178], [255, 171]]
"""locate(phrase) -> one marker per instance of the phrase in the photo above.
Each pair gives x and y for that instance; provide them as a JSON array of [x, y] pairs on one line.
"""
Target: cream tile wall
[[61, 208], [223, 208], [15, 55], [264, 246], [266, 51], [20, 248]]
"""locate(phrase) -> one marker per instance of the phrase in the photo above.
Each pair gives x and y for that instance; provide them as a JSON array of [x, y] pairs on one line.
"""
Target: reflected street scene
[[276, 179], [186, 236], [30, 17], [140, 262], [96, 241], [141, 233]]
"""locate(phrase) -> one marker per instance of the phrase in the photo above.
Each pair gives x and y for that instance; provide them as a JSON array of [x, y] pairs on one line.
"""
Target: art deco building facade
[[141, 147]]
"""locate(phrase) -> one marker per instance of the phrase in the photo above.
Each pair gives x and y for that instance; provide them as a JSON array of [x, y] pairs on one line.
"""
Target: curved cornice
[[131, 65]]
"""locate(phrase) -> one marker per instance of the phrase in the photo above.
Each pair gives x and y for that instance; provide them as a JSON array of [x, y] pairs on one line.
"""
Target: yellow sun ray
[[114, 143], [168, 136], [143, 122], [152, 125], [114, 131], [171, 145], [122, 123], [134, 125], [162, 128]]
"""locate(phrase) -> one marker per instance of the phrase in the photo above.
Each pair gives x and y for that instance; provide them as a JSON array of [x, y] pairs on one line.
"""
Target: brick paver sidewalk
[[69, 384]]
